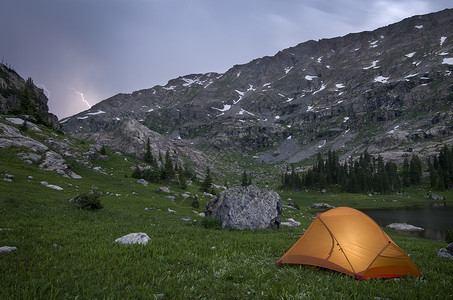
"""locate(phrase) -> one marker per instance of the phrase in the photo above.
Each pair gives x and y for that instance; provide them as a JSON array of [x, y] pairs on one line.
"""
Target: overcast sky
[[99, 48]]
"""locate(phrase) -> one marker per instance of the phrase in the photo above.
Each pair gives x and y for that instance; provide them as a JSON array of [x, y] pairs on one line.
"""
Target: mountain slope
[[388, 91]]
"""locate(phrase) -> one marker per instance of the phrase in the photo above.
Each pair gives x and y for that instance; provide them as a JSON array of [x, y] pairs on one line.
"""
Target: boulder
[[7, 249], [322, 205], [435, 197], [446, 252], [404, 226], [133, 238], [246, 207]]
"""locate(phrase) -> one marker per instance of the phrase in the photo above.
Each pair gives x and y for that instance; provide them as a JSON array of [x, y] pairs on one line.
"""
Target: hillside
[[388, 91]]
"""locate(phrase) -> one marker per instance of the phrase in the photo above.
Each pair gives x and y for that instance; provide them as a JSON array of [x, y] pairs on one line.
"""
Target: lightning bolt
[[41, 86], [83, 98]]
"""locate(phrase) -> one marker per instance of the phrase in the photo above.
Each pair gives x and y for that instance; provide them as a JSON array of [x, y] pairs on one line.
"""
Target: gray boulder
[[246, 207], [446, 252], [133, 238]]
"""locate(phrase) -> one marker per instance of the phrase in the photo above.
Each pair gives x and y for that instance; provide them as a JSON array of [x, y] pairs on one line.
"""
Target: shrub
[[449, 238], [209, 222], [87, 201], [195, 203]]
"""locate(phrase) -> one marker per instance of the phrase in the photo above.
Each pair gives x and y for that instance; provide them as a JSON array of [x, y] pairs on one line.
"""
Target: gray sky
[[103, 47]]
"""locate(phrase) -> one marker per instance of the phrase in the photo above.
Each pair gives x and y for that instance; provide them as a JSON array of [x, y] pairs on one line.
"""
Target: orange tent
[[348, 241]]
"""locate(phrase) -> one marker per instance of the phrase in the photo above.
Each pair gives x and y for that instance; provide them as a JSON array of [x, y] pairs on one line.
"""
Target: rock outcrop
[[246, 207]]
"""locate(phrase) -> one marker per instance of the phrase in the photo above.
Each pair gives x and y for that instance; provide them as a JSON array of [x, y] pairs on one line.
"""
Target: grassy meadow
[[67, 253]]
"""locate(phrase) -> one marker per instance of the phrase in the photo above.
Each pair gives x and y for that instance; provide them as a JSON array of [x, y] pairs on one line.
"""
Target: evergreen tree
[[148, 155], [415, 170], [244, 180], [206, 185], [406, 173]]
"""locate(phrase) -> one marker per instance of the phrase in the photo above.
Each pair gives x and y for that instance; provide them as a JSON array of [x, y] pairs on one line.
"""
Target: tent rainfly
[[348, 241]]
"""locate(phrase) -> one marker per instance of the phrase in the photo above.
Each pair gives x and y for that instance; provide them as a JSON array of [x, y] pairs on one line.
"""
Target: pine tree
[[244, 180], [415, 170], [206, 185], [406, 173], [148, 155]]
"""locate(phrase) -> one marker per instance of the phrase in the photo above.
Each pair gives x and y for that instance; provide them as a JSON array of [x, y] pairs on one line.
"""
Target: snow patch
[[444, 53], [345, 119], [323, 144], [288, 138], [310, 77], [410, 55], [381, 79], [323, 86], [419, 26], [277, 117], [64, 121], [339, 86], [266, 85], [226, 107], [289, 99], [319, 60], [411, 75], [310, 108], [96, 113], [373, 65], [373, 44], [287, 69], [244, 111], [171, 88], [448, 61], [251, 88], [82, 118], [442, 40]]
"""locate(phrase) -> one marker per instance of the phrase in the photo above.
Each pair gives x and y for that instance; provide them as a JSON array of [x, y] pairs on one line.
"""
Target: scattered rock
[[52, 186], [435, 197], [246, 207], [171, 211], [446, 252], [164, 189], [290, 222], [7, 249], [142, 182], [133, 238], [322, 205], [29, 157], [404, 226]]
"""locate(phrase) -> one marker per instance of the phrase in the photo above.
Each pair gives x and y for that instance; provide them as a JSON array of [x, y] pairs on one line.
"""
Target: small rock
[[163, 189], [322, 205], [404, 226], [446, 252], [185, 195], [186, 218], [142, 182], [7, 179], [290, 222], [7, 249], [213, 248], [133, 238], [171, 211]]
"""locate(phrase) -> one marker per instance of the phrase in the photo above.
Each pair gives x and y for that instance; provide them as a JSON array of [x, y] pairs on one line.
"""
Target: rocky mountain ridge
[[388, 91]]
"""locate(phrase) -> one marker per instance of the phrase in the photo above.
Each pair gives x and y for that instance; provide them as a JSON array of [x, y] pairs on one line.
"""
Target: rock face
[[376, 90], [446, 252], [12, 87], [246, 207]]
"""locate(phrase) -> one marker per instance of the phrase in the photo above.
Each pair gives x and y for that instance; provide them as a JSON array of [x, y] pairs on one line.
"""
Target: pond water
[[436, 220]]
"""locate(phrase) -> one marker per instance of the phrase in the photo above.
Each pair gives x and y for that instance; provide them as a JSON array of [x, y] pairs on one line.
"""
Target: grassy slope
[[67, 253]]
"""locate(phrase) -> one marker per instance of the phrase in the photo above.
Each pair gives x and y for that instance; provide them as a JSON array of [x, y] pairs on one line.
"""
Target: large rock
[[446, 252], [246, 207], [133, 238]]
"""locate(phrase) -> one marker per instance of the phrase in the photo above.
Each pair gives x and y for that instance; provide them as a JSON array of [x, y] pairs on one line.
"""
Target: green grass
[[66, 253]]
